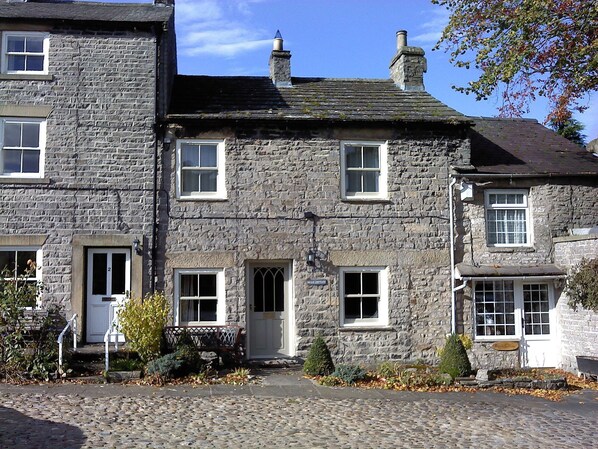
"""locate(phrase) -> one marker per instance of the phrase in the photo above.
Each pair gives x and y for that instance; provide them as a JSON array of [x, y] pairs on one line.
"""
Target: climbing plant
[[582, 285]]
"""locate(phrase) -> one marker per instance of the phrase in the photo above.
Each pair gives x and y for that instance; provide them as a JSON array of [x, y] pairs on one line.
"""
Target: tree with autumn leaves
[[525, 49]]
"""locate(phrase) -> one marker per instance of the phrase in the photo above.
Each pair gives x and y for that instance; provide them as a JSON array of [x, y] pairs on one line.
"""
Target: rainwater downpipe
[[452, 182]]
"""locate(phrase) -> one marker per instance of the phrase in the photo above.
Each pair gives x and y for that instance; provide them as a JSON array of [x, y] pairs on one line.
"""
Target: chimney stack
[[280, 63], [408, 66]]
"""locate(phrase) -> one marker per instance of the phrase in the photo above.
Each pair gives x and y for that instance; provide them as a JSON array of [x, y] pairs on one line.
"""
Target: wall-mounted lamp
[[168, 137], [314, 258], [137, 247]]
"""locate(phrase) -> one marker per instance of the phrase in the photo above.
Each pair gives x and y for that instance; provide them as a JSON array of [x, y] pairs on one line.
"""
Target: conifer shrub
[[454, 359], [349, 373], [318, 361]]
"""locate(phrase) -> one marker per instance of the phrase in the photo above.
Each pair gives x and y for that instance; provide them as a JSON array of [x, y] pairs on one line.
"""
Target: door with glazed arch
[[269, 304]]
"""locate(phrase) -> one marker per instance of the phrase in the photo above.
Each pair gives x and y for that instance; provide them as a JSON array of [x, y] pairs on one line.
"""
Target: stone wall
[[98, 171], [273, 177], [578, 329]]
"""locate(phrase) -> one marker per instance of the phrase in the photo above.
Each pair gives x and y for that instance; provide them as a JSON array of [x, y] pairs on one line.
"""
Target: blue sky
[[329, 38]]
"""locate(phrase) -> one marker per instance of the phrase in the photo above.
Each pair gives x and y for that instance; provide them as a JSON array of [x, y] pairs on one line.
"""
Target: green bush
[[349, 373], [167, 367], [582, 285], [454, 359], [318, 361], [388, 369], [142, 322]]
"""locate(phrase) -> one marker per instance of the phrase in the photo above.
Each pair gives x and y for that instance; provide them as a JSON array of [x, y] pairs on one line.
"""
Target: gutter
[[522, 175]]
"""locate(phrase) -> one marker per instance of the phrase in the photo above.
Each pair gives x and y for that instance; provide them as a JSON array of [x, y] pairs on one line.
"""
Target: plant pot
[[587, 365]]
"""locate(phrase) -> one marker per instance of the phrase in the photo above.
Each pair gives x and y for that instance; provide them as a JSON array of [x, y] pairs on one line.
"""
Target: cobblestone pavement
[[279, 415]]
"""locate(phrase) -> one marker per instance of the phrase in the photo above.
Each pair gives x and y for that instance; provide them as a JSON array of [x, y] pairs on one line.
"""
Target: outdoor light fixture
[[168, 137], [137, 247], [314, 257]]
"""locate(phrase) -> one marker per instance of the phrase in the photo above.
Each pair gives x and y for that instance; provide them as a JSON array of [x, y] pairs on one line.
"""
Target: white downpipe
[[452, 183]]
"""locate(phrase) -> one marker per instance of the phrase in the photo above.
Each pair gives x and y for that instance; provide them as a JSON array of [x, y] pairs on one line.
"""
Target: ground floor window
[[199, 296], [511, 308], [22, 264], [364, 296]]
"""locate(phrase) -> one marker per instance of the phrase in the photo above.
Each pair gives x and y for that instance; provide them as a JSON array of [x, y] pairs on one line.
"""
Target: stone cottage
[[365, 211]]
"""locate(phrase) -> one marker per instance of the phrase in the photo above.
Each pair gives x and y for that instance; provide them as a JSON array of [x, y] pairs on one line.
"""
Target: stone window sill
[[28, 181], [513, 249], [366, 329], [26, 77]]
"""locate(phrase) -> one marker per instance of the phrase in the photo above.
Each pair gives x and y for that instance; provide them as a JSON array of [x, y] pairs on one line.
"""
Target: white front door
[[108, 282], [269, 307], [538, 345]]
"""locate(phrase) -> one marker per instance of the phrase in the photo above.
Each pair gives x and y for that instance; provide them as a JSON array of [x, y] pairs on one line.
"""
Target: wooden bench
[[227, 340]]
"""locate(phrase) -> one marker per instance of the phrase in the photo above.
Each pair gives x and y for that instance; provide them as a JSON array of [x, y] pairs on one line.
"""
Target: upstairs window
[[25, 52], [364, 170], [23, 264], [22, 147], [507, 218], [200, 169]]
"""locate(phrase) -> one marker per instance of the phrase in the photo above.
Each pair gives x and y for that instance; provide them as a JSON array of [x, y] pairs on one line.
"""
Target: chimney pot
[[401, 38], [278, 42]]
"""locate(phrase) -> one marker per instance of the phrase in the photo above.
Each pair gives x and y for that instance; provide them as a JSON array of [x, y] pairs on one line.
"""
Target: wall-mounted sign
[[317, 281]]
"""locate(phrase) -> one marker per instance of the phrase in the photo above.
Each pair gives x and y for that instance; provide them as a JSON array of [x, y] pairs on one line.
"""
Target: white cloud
[[432, 28], [426, 38]]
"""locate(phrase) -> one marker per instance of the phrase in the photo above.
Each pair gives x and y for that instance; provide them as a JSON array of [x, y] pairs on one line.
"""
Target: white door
[[108, 282], [538, 343], [269, 304]]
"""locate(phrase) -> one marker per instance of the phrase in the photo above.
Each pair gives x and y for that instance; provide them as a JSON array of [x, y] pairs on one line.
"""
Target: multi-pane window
[[22, 264], [507, 217], [200, 169], [200, 296], [22, 147], [364, 170], [495, 308], [536, 308], [364, 296], [24, 52]]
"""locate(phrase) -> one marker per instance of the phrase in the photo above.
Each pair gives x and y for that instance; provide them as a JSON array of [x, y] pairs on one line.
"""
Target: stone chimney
[[280, 63], [408, 66]]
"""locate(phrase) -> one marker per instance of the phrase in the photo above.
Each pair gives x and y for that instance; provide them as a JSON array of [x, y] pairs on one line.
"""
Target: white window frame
[[220, 296], [42, 146], [220, 193], [382, 193], [38, 267], [46, 51], [382, 320], [519, 312], [525, 206]]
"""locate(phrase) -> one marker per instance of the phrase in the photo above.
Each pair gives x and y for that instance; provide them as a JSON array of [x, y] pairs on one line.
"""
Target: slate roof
[[485, 271], [86, 11], [242, 97], [524, 146]]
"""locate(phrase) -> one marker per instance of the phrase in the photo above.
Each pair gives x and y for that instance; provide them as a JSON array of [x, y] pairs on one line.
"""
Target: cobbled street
[[295, 416]]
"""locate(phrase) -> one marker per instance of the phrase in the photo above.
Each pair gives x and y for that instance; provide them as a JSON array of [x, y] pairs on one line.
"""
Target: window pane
[[15, 44], [35, 63], [352, 283], [369, 307], [30, 161], [269, 291], [258, 290], [369, 283], [12, 134], [190, 181], [119, 264], [207, 285], [16, 62], [279, 291], [207, 309], [12, 161], [35, 45], [352, 308], [370, 181], [208, 181], [354, 181], [99, 272], [189, 155], [189, 285], [30, 135], [370, 157], [7, 262], [208, 156], [24, 261], [353, 156], [189, 310]]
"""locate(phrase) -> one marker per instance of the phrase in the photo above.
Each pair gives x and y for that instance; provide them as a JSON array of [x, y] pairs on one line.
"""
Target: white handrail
[[72, 324], [111, 332]]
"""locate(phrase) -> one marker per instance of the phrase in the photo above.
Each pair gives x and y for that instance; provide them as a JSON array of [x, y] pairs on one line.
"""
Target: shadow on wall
[[19, 431]]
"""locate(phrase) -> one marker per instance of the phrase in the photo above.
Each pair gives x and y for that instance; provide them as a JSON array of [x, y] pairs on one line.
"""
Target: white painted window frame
[[526, 207], [220, 295], [382, 320], [382, 194], [220, 193], [46, 52], [38, 267], [42, 146], [518, 284]]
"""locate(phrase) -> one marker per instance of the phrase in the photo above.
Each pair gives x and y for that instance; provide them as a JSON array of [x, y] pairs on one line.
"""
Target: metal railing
[[111, 334], [70, 324]]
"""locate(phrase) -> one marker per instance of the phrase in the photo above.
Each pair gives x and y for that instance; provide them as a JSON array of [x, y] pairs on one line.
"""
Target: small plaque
[[268, 315], [505, 345], [317, 281]]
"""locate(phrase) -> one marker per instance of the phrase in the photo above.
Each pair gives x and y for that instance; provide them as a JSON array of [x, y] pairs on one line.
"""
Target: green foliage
[[454, 360], [582, 285], [318, 361], [570, 129], [142, 322], [389, 369], [412, 378], [525, 48], [349, 374], [465, 339], [186, 360]]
